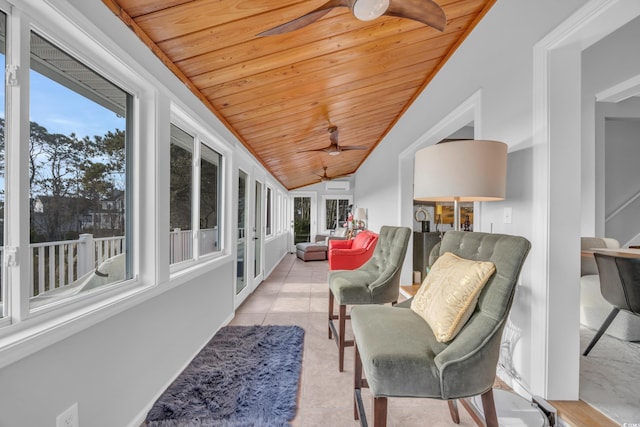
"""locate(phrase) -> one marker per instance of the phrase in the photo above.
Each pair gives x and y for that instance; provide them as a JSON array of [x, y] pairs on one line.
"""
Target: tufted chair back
[[386, 263]]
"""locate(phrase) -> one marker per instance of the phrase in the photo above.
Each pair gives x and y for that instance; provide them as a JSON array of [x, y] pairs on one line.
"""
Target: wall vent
[[337, 186]]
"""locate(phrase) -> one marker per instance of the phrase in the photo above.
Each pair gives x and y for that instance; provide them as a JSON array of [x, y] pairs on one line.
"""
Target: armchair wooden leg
[[380, 412], [489, 409], [357, 382], [453, 410], [331, 316], [342, 318]]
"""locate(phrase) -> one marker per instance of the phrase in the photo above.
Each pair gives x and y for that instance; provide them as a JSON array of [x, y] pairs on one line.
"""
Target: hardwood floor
[[577, 413]]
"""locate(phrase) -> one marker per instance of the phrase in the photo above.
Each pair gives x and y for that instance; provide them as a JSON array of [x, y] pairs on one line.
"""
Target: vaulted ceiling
[[280, 94]]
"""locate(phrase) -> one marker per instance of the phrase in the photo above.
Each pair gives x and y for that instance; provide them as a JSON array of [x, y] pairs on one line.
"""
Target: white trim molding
[[556, 137]]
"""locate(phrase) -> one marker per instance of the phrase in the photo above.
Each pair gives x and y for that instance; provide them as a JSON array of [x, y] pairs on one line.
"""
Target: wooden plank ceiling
[[279, 94]]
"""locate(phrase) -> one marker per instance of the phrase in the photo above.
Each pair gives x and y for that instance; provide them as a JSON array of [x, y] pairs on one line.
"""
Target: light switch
[[507, 215]]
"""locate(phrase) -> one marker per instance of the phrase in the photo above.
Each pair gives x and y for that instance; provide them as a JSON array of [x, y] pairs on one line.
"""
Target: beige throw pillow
[[449, 293]]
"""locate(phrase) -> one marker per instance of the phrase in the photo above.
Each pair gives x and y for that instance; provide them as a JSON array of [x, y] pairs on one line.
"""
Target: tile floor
[[296, 293]]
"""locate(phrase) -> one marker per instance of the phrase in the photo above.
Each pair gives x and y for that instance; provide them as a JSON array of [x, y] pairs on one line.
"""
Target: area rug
[[245, 376]]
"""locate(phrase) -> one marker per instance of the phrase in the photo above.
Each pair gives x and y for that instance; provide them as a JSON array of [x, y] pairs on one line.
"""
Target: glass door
[[241, 251], [301, 219], [257, 235], [304, 227]]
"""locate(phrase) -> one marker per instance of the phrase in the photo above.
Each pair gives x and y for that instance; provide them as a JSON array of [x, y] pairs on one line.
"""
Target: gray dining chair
[[400, 356], [619, 285]]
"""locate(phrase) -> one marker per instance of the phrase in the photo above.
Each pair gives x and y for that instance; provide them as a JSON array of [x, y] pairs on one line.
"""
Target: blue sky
[[61, 110]]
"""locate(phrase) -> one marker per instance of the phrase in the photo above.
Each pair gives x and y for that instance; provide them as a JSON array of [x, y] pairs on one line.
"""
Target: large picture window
[[78, 143]]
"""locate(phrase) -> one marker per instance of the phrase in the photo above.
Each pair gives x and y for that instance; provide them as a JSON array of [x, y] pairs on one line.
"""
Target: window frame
[[323, 212], [269, 225], [202, 136]]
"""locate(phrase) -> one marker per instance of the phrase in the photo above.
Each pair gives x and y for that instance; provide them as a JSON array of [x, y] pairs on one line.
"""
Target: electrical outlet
[[69, 418]]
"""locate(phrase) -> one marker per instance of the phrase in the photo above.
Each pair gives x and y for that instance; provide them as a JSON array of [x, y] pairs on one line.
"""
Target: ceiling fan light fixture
[[334, 153], [368, 10]]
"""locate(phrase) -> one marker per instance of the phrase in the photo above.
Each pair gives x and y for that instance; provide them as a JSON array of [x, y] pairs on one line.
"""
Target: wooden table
[[620, 252]]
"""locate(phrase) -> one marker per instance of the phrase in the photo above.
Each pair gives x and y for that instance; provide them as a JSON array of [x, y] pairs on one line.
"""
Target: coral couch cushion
[[353, 253]]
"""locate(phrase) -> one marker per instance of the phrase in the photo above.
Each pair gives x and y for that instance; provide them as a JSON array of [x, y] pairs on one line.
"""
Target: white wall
[[606, 65], [622, 178], [119, 366]]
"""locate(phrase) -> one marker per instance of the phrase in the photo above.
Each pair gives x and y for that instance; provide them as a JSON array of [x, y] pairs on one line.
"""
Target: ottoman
[[311, 251]]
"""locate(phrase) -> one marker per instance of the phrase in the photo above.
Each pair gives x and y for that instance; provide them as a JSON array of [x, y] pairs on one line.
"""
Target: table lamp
[[461, 171], [360, 217]]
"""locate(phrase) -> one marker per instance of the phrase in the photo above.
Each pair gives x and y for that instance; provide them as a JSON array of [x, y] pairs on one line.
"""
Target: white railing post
[[176, 244], [86, 254]]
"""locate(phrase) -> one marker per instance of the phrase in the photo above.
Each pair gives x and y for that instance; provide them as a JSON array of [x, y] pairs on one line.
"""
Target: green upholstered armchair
[[377, 281], [400, 355]]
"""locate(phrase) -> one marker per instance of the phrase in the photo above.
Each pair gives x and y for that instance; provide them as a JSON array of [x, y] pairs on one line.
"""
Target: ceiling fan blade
[[353, 147], [304, 20], [318, 150], [425, 11]]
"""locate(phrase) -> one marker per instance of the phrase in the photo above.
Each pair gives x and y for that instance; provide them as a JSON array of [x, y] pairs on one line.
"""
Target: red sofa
[[351, 254]]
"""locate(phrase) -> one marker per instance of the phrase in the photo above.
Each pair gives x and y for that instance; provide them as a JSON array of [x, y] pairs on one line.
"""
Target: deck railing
[[58, 264]]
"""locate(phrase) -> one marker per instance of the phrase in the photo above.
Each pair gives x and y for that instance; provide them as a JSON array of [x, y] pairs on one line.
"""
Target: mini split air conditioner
[[337, 186]]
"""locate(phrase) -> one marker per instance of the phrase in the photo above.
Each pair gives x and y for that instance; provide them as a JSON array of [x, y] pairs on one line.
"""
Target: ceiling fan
[[324, 177], [426, 11], [333, 149]]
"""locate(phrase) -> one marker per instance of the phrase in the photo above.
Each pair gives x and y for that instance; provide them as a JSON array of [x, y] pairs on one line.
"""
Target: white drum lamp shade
[[461, 171]]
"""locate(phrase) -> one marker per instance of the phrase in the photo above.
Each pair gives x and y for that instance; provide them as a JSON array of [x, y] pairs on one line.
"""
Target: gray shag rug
[[245, 376]]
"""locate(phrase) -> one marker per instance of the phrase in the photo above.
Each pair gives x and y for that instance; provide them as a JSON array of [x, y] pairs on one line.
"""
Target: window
[[269, 212], [180, 187], [336, 212], [78, 144], [209, 200], [187, 179]]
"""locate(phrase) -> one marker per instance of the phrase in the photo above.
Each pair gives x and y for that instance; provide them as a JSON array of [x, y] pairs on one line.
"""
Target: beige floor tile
[[248, 319], [257, 304], [299, 304]]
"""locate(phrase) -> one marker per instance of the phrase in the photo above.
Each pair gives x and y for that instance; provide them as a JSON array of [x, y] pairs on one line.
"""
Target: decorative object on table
[[244, 376], [466, 225], [360, 217], [461, 171], [422, 216]]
